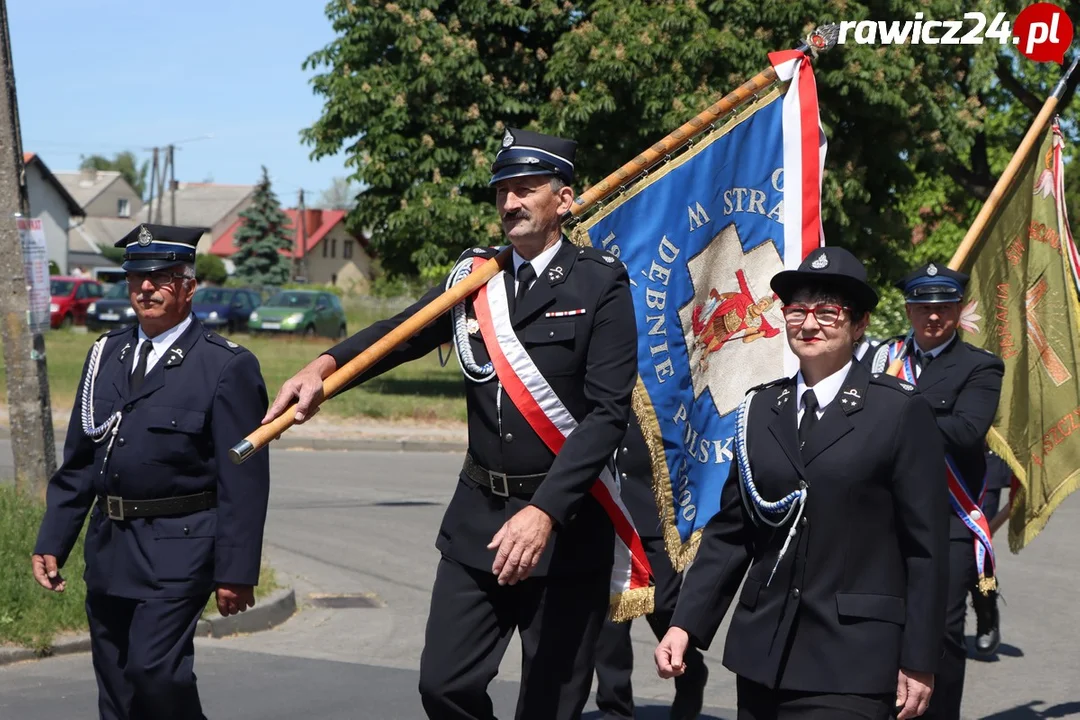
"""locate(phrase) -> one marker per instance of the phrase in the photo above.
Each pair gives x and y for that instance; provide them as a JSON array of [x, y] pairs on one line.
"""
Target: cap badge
[[821, 262], [508, 139], [145, 238], [931, 270]]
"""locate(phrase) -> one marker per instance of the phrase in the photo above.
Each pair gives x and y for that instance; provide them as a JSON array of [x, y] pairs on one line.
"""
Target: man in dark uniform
[[614, 651], [157, 409], [962, 383], [835, 504], [524, 545]]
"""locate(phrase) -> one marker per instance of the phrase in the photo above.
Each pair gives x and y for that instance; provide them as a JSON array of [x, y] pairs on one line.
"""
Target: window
[[123, 207], [325, 247], [346, 249], [333, 248]]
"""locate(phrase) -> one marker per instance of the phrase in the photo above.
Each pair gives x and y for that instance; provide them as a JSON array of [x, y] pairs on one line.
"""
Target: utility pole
[[301, 244], [29, 408], [172, 185], [153, 189]]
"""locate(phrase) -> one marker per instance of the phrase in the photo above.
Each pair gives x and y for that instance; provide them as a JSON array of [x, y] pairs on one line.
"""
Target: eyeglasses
[[826, 315], [158, 277]]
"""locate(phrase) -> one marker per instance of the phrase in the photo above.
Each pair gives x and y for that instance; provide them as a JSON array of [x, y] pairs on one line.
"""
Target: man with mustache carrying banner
[[548, 348]]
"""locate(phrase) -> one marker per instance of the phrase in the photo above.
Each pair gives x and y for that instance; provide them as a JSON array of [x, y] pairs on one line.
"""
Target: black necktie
[[924, 359], [525, 276], [809, 418], [139, 374]]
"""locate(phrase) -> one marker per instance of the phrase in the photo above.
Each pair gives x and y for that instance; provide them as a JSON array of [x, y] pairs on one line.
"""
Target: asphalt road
[[364, 524]]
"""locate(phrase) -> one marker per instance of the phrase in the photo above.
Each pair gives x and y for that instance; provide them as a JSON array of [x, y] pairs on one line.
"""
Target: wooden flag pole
[[822, 39], [345, 374]]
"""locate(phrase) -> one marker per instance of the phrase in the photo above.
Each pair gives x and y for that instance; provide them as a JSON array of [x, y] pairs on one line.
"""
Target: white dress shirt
[[826, 391], [932, 353], [161, 343], [539, 263]]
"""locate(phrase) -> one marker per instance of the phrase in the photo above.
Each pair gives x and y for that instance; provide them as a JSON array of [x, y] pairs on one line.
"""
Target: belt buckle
[[114, 507], [496, 478]]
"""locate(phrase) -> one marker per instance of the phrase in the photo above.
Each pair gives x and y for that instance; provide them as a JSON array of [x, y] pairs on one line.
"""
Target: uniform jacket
[[197, 401], [963, 386], [636, 482], [589, 359], [861, 591]]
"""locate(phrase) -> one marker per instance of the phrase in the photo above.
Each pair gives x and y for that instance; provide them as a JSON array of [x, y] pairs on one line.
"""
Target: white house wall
[[49, 206]]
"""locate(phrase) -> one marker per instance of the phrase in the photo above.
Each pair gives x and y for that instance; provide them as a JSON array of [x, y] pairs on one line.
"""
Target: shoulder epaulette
[[601, 256], [771, 383], [479, 252], [893, 382], [223, 342], [115, 331]]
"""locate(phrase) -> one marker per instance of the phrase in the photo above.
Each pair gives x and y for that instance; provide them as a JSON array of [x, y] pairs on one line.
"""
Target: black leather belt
[[117, 508], [499, 483]]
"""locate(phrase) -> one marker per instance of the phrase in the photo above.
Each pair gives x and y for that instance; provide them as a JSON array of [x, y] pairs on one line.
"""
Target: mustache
[[516, 214]]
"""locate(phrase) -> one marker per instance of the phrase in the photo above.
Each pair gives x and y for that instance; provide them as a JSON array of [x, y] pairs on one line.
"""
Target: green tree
[[418, 93], [126, 164], [261, 237], [210, 268], [341, 195]]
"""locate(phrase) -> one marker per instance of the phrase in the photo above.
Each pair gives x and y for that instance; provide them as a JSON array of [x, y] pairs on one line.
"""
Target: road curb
[[79, 643], [269, 612]]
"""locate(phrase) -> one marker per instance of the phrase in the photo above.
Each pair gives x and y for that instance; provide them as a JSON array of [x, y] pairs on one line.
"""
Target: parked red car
[[70, 298]]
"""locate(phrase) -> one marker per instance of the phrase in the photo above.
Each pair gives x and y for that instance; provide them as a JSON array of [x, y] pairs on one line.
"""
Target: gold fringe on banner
[[631, 604]]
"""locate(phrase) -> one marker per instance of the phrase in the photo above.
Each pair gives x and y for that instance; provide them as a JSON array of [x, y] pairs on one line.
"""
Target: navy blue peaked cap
[[933, 283], [153, 247], [531, 153]]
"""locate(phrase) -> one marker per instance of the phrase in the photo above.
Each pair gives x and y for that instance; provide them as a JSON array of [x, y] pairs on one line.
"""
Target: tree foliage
[[341, 195], [211, 269], [418, 94], [126, 164], [261, 237]]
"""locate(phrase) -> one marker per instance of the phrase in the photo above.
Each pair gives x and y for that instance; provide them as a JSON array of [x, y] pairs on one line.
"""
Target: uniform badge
[[907, 387], [472, 325], [508, 139], [555, 273], [932, 270], [231, 344], [821, 262], [145, 238], [609, 259], [852, 392], [478, 251]]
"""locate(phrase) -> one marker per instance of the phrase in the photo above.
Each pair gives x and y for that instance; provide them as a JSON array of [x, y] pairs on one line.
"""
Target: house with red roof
[[51, 203], [324, 250]]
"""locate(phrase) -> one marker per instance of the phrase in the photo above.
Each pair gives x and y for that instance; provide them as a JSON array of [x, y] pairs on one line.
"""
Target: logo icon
[[1042, 32], [508, 139], [145, 238], [821, 262], [932, 270]]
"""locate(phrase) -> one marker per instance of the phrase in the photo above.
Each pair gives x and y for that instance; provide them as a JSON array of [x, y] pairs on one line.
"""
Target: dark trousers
[[757, 702], [615, 654], [470, 624], [144, 657], [949, 680]]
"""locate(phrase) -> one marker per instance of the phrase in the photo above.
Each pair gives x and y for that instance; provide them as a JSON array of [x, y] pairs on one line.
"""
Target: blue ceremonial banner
[[701, 238]]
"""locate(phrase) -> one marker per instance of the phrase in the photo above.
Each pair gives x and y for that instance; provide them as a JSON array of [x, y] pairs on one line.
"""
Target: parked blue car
[[111, 311], [225, 309]]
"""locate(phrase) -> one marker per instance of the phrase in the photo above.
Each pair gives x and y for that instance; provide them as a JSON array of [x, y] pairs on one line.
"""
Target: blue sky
[[100, 76]]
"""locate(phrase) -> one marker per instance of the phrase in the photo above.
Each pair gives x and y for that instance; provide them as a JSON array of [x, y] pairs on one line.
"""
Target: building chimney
[[87, 176], [312, 220]]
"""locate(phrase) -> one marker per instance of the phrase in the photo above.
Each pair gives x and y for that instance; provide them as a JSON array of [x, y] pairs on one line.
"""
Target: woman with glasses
[[833, 515]]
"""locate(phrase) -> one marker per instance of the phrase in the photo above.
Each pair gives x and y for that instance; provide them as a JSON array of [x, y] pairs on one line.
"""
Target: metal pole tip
[[241, 451]]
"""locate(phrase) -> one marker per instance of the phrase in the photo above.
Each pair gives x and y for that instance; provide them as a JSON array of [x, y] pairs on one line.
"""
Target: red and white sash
[[966, 508], [631, 593]]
